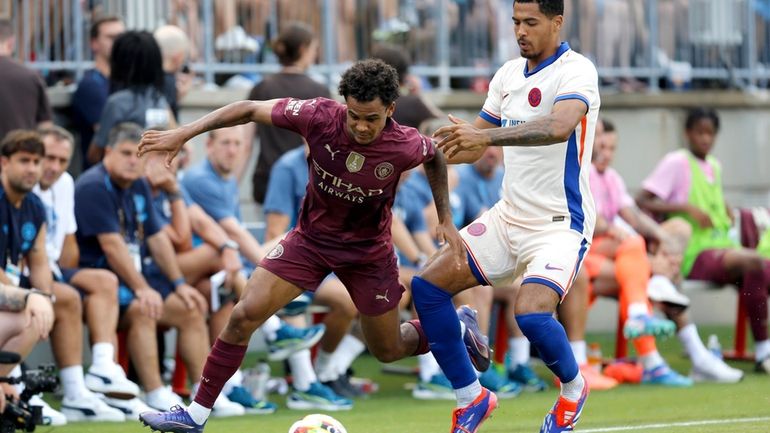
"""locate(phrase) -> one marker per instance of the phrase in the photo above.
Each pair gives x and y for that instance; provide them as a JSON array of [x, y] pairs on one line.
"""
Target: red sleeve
[[300, 115], [424, 151]]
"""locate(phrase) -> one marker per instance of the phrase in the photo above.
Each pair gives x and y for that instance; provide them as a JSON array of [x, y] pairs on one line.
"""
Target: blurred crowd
[[623, 37], [131, 248]]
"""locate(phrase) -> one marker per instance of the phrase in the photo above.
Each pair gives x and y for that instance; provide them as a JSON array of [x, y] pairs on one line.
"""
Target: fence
[[454, 43]]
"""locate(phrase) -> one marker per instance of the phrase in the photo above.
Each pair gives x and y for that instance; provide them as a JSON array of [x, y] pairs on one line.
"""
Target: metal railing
[[453, 43]]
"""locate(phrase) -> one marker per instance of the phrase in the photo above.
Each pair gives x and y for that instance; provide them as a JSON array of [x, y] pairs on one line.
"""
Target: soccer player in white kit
[[543, 109]]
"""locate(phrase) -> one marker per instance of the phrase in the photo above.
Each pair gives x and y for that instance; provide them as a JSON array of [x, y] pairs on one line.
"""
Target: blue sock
[[548, 336], [439, 320]]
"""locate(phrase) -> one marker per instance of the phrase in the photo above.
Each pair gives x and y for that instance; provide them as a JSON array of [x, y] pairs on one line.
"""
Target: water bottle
[[594, 355], [256, 380], [714, 347]]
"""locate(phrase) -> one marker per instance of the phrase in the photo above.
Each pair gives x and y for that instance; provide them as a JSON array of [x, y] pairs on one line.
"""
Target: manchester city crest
[[355, 162], [383, 170]]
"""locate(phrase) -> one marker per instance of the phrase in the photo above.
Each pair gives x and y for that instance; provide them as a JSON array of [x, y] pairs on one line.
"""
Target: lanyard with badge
[[13, 270], [134, 243]]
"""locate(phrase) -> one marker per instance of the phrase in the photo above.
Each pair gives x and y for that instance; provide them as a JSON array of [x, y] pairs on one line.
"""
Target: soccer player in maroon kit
[[357, 154]]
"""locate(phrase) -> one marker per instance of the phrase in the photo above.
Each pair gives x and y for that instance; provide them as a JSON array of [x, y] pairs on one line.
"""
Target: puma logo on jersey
[[382, 297], [331, 152]]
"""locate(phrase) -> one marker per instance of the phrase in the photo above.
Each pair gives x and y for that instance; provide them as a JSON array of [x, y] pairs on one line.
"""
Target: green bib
[[708, 197]]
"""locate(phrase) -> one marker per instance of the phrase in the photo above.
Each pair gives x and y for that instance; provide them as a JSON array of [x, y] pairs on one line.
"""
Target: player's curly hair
[[370, 79], [549, 8]]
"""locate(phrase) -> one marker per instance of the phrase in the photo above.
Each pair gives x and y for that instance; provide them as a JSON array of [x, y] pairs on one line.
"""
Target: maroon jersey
[[351, 186]]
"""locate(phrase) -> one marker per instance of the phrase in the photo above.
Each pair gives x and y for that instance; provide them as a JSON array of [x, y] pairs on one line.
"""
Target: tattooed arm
[[12, 298], [554, 128], [446, 232]]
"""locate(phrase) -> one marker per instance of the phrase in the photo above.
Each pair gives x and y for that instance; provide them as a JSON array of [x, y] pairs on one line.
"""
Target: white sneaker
[[713, 369], [236, 39], [224, 407], [110, 380], [130, 408], [661, 289], [51, 416], [89, 407], [164, 399]]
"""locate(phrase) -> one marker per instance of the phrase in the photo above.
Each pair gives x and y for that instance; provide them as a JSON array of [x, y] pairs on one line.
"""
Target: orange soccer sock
[[632, 270]]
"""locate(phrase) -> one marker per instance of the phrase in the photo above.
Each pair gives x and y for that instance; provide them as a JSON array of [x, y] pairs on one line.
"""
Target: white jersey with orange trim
[[549, 184]]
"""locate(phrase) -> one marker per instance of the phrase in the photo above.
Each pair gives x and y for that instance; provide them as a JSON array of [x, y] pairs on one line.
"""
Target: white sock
[[519, 350], [347, 352], [324, 368], [761, 350], [102, 354], [72, 381], [692, 343], [235, 380], [466, 395], [16, 373], [428, 366], [651, 360], [573, 389], [302, 372], [198, 413], [270, 328], [580, 351], [636, 309]]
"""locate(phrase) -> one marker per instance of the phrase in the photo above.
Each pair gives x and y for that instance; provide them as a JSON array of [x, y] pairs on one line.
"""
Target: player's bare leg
[[264, 295], [388, 339]]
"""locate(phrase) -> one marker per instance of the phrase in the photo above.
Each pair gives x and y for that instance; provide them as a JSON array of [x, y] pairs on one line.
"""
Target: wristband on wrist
[[178, 282], [174, 196], [50, 296]]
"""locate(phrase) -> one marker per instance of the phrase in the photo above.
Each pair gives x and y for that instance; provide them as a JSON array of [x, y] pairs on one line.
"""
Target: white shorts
[[499, 252]]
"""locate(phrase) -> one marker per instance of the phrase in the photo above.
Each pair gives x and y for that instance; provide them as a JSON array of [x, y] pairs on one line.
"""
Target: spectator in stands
[[97, 287], [136, 89], [94, 88], [688, 183], [297, 49], [177, 79], [24, 217], [618, 261], [118, 229], [411, 108], [20, 88]]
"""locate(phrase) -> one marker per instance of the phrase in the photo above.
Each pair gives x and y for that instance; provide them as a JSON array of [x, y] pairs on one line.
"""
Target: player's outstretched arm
[[555, 128], [435, 171], [233, 114]]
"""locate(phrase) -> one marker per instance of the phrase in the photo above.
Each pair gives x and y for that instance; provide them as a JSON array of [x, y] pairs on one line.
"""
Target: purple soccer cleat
[[176, 420], [474, 339]]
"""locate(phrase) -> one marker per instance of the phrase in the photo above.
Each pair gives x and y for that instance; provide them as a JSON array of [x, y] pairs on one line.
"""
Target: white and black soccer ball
[[317, 423]]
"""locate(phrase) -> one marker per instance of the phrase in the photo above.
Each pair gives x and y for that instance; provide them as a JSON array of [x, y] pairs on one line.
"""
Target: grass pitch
[[704, 408]]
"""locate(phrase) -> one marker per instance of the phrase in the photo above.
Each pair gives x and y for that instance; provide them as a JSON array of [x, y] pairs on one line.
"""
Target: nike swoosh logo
[[553, 268]]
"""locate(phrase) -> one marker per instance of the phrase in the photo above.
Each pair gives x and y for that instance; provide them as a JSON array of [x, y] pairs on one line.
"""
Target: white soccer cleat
[[89, 407], [224, 408], [110, 380], [130, 408], [164, 399], [51, 416], [713, 369]]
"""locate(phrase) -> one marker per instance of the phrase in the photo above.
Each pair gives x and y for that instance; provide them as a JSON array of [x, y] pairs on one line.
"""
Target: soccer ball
[[317, 423]]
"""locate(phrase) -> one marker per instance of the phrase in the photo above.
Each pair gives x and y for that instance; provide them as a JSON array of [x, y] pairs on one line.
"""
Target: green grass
[[392, 410]]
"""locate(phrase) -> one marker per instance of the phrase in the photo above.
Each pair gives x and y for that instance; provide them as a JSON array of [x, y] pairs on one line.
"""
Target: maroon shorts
[[709, 266], [373, 284]]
